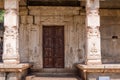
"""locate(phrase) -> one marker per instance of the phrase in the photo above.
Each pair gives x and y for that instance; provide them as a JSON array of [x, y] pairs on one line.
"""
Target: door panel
[[48, 62], [53, 46], [59, 62]]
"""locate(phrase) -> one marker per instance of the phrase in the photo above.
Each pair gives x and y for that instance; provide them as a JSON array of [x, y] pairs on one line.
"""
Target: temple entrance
[[53, 46]]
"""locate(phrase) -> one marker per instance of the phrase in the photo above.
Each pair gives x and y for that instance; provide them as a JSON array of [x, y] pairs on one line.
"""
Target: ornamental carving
[[11, 32], [94, 49], [93, 32], [93, 12], [11, 11], [9, 51]]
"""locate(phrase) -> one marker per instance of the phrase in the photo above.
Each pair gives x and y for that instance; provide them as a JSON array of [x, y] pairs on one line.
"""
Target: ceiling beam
[[53, 3]]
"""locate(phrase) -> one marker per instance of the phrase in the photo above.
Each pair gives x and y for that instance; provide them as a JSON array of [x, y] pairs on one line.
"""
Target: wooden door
[[53, 46]]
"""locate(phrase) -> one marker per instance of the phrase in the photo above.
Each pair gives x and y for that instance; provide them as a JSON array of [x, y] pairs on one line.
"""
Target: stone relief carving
[[11, 11], [11, 27], [9, 49], [93, 12], [93, 32], [93, 49], [11, 32]]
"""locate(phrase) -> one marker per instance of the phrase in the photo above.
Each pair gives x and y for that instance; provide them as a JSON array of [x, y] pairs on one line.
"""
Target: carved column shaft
[[93, 42], [11, 24]]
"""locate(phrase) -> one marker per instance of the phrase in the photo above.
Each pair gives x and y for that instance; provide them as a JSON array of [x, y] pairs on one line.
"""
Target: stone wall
[[32, 19], [110, 27]]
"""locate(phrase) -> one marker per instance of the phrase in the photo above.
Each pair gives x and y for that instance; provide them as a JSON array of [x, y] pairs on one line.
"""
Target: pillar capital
[[11, 4], [92, 4]]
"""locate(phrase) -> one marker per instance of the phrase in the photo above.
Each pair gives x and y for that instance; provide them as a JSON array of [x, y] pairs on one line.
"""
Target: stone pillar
[[11, 24], [93, 41]]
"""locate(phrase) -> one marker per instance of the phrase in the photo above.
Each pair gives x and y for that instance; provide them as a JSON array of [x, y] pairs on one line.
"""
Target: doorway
[[53, 46]]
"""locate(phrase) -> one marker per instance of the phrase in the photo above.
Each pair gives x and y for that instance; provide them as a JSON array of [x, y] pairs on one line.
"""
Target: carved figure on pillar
[[93, 32]]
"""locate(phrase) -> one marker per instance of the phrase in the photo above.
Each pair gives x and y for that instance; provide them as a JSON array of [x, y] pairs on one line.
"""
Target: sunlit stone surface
[[93, 47], [10, 52]]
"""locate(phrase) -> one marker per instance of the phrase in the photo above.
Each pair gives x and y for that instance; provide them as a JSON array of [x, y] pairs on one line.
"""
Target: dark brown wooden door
[[53, 46]]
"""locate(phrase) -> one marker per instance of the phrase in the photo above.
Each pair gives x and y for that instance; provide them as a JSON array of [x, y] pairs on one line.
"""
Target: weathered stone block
[[12, 76], [13, 71], [29, 77], [118, 12], [30, 19], [11, 4], [34, 12], [110, 20], [23, 19], [23, 11], [2, 76], [23, 3], [109, 12], [95, 76], [103, 12], [37, 19], [54, 10]]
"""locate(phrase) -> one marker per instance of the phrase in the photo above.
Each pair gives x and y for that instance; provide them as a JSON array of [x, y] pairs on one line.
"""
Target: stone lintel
[[14, 67]]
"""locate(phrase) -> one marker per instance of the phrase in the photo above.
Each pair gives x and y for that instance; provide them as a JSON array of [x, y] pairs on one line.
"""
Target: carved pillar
[[93, 42], [11, 24]]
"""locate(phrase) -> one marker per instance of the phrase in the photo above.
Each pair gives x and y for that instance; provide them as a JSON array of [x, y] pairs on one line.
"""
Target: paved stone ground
[[56, 78]]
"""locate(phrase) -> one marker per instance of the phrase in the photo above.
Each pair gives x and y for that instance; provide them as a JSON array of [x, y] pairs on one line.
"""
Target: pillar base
[[13, 71], [11, 61], [92, 62], [98, 70]]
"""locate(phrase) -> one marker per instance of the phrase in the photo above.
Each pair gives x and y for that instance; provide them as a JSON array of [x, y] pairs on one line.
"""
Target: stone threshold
[[14, 67], [102, 68]]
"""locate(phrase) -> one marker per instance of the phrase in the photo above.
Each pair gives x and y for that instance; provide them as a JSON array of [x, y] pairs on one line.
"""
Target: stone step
[[30, 77], [44, 74], [33, 77]]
